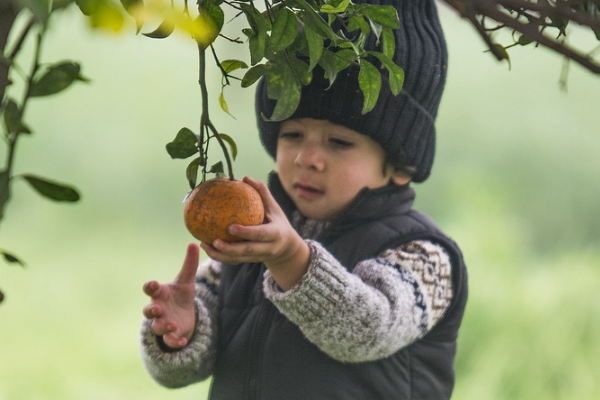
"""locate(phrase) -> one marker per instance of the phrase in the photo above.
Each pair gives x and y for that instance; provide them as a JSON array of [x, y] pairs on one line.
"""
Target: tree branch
[[532, 18]]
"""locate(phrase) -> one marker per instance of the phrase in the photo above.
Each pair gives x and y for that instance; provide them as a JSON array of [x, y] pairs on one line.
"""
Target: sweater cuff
[[164, 363], [317, 293]]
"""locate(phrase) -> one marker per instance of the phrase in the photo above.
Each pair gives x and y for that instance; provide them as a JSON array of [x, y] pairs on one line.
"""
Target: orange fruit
[[217, 203]]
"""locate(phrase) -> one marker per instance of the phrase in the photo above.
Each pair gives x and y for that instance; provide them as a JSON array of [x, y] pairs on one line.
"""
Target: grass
[[513, 183]]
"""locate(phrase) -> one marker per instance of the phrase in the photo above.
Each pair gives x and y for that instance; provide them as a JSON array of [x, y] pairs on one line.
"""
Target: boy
[[345, 292]]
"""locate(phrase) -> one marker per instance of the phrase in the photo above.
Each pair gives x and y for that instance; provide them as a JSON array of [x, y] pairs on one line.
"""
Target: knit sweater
[[384, 304]]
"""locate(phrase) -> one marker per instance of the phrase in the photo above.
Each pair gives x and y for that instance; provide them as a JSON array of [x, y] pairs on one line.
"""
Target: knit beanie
[[404, 125]]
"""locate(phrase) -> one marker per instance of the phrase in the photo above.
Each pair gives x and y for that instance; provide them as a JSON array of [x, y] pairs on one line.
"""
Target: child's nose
[[310, 156]]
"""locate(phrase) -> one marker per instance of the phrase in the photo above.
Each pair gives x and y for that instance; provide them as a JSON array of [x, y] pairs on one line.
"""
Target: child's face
[[323, 166]]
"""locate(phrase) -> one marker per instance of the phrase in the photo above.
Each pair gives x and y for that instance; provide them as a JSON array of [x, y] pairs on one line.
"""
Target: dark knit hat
[[404, 125]]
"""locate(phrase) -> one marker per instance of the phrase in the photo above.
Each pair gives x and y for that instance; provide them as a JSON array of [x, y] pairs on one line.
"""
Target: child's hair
[[404, 125]]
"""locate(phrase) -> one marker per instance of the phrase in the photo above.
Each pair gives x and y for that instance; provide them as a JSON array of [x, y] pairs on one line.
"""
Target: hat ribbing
[[404, 125]]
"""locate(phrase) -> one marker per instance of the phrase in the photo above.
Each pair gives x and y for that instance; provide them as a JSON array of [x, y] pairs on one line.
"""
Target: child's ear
[[400, 178]]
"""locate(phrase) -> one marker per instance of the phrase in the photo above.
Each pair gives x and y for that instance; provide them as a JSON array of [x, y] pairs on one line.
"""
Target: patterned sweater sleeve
[[194, 362], [386, 303]]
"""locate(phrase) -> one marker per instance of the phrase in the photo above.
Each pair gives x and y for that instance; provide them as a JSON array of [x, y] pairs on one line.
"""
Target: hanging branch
[[531, 19]]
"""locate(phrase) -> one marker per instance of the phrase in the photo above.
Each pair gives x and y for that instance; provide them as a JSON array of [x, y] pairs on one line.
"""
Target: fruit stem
[[205, 118]]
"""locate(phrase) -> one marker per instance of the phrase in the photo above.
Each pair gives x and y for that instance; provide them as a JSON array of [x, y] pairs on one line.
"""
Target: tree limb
[[531, 19]]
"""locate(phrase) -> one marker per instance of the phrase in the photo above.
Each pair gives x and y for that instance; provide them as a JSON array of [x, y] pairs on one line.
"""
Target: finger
[[152, 288], [152, 311], [161, 327], [174, 341], [267, 198], [187, 274], [255, 233]]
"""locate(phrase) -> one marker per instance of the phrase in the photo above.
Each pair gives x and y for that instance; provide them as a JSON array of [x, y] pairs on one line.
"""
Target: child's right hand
[[172, 304]]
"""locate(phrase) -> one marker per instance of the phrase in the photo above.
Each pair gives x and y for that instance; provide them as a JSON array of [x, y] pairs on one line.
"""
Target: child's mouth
[[307, 192]]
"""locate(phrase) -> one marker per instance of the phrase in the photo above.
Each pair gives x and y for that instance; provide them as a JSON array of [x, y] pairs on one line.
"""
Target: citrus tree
[[285, 41]]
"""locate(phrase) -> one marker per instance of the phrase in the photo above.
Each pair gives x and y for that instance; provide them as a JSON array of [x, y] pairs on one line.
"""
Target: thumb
[[269, 202], [187, 274]]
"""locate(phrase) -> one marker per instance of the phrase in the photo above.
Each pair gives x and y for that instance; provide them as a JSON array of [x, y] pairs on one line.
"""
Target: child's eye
[[289, 135], [341, 143]]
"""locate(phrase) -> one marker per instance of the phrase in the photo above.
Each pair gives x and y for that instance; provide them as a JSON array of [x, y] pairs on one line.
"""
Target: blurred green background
[[515, 182]]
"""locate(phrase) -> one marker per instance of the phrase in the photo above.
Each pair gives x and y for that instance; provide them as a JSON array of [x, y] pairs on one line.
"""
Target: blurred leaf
[[12, 118], [4, 190], [191, 172], [132, 7], [56, 78], [52, 190], [11, 258], [184, 145], [231, 144], [104, 14], [369, 81], [284, 32], [209, 24], [38, 8], [231, 65], [163, 31]]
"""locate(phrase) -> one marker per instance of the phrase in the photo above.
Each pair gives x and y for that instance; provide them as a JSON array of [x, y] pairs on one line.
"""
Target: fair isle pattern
[[384, 305], [429, 266]]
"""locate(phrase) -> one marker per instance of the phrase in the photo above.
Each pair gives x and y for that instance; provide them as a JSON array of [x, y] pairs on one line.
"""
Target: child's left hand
[[275, 243]]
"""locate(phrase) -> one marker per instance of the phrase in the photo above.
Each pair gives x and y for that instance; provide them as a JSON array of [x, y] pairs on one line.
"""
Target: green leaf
[[229, 140], [331, 9], [389, 43], [216, 14], [231, 65], [284, 32], [329, 66], [52, 190], [216, 168], [4, 190], [258, 39], [369, 81], [38, 8], [386, 16], [343, 58], [314, 21], [56, 78], [184, 145], [288, 94], [12, 118], [191, 172], [132, 5], [11, 258], [223, 103], [315, 47], [163, 30], [254, 74], [395, 73]]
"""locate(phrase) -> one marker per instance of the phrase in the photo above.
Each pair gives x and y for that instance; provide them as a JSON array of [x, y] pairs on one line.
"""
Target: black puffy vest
[[262, 355]]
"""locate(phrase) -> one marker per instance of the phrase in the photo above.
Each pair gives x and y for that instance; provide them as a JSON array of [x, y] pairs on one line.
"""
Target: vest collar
[[368, 204]]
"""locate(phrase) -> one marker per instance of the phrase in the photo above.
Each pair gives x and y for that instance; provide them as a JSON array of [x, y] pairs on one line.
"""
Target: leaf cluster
[[286, 41], [39, 81]]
